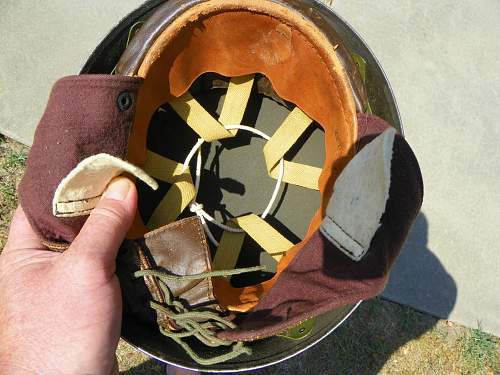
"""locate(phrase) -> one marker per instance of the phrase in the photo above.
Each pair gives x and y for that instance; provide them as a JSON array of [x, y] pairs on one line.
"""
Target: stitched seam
[[346, 233], [88, 211], [80, 200], [207, 260], [338, 244], [112, 85], [151, 282], [53, 246], [169, 226], [74, 212], [201, 240]]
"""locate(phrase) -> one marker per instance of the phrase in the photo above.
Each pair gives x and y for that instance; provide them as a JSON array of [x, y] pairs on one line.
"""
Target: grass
[[380, 338], [12, 163], [479, 352]]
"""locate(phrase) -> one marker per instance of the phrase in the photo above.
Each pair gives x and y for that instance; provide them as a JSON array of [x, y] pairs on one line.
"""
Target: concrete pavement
[[41, 42], [442, 59]]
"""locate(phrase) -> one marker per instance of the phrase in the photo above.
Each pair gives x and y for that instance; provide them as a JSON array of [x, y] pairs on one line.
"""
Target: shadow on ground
[[364, 343], [419, 279]]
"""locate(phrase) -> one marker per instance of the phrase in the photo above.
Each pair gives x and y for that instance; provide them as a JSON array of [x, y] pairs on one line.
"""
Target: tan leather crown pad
[[235, 38], [131, 60]]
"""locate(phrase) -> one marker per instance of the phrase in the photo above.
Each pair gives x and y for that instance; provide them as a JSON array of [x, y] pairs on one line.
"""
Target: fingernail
[[118, 189]]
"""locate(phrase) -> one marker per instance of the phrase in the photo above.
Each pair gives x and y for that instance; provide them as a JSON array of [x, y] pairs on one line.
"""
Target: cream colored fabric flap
[[79, 192], [359, 198]]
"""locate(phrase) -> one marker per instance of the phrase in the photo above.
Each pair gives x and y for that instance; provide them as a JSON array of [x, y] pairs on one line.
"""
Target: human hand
[[60, 313]]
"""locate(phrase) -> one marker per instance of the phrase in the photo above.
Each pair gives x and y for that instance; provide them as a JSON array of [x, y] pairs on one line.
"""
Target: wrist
[[14, 362], [11, 366]]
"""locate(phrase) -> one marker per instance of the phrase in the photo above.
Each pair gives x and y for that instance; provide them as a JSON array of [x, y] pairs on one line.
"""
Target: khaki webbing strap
[[162, 168], [236, 101], [228, 250], [265, 235], [180, 194], [283, 139], [199, 119], [172, 205], [299, 174]]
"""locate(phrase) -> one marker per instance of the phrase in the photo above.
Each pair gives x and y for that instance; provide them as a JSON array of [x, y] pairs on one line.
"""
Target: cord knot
[[196, 208]]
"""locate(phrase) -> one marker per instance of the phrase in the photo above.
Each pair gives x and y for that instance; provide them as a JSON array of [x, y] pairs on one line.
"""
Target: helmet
[[271, 199]]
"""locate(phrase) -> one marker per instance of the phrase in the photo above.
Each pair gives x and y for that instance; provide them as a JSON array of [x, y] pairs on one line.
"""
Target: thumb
[[107, 225]]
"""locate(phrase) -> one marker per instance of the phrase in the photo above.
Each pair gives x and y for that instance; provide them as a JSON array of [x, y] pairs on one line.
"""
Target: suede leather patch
[[83, 118]]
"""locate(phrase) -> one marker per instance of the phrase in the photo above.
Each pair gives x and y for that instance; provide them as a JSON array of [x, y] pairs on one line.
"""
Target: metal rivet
[[124, 101]]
